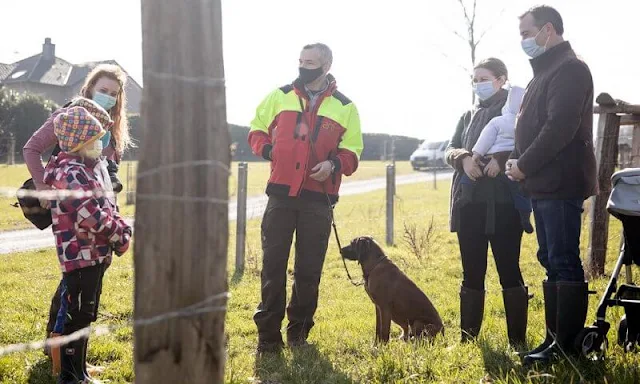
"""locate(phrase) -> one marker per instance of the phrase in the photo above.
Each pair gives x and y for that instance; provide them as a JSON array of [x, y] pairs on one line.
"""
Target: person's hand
[[477, 158], [471, 168], [492, 169], [322, 171], [122, 248], [45, 203], [513, 172]]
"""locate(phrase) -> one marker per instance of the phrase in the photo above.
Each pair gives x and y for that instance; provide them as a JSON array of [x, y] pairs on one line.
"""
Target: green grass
[[343, 350], [11, 218]]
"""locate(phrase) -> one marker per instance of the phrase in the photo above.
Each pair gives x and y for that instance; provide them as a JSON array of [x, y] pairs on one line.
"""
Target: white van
[[429, 154]]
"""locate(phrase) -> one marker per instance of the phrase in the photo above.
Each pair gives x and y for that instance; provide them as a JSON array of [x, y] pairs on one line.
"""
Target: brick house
[[57, 79]]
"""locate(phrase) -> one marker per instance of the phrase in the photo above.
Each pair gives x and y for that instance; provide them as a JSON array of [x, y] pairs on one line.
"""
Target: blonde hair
[[120, 130]]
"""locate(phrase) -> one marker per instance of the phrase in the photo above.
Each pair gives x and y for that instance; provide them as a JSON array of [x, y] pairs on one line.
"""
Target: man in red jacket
[[311, 134]]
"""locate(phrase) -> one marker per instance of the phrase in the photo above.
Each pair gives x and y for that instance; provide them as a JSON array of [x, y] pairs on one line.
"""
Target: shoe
[[471, 312], [550, 293], [269, 347], [71, 362], [572, 304], [516, 306]]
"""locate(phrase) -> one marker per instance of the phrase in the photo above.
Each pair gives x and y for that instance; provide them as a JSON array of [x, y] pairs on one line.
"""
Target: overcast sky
[[399, 61]]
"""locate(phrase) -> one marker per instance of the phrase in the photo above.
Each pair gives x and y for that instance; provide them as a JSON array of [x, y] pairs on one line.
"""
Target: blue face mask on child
[[105, 101], [106, 139]]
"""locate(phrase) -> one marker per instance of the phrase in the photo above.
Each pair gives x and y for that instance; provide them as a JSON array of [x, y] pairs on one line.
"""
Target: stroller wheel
[[622, 331], [592, 343]]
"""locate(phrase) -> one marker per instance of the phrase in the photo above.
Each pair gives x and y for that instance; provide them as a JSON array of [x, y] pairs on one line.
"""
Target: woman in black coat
[[488, 216]]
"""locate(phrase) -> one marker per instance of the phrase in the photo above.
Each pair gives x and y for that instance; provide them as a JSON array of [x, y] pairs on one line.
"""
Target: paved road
[[31, 239]]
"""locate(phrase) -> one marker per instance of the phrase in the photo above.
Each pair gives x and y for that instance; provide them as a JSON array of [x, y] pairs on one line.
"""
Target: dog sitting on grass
[[394, 295]]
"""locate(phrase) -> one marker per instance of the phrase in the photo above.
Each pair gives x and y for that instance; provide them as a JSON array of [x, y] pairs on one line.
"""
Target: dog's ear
[[363, 247]]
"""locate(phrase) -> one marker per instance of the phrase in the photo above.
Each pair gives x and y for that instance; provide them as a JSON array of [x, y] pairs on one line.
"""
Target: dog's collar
[[366, 275]]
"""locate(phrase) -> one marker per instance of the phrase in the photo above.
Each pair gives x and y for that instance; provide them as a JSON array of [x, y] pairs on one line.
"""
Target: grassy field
[[13, 176], [343, 350]]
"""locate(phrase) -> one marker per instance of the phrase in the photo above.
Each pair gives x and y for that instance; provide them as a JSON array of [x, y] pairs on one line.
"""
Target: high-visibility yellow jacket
[[296, 139]]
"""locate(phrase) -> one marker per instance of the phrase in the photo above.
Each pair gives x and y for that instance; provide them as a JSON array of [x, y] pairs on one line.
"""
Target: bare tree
[[471, 35]]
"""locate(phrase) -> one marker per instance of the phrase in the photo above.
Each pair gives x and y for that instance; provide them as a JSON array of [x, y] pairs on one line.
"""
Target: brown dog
[[395, 296]]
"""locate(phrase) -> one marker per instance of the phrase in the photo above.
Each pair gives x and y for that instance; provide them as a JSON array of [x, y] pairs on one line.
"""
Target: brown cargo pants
[[311, 222]]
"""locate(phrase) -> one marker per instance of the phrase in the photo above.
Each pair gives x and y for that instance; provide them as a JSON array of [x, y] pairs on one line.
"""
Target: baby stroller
[[624, 204]]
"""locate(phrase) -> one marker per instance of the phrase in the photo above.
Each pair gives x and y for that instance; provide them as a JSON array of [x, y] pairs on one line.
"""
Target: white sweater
[[499, 133]]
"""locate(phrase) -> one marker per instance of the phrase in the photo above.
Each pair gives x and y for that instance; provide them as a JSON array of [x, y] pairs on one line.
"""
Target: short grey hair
[[325, 51]]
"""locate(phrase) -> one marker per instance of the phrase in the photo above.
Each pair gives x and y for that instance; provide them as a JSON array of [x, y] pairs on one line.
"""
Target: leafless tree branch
[[491, 25], [466, 14]]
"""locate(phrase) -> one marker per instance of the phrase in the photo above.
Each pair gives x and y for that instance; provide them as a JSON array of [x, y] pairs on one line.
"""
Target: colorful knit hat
[[95, 110], [76, 128]]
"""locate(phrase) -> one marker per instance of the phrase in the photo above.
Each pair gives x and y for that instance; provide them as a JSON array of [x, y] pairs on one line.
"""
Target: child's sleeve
[[487, 137], [90, 214], [96, 220]]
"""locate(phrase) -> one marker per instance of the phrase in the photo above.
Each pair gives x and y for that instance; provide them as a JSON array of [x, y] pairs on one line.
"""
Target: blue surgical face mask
[[106, 139], [105, 101], [484, 90], [531, 47]]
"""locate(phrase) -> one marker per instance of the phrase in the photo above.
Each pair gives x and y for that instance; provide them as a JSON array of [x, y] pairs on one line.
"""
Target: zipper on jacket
[[310, 124]]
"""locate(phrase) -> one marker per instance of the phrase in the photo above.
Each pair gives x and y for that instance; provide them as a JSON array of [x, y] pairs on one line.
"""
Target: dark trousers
[[310, 220], [54, 307], [505, 244], [80, 292], [558, 223]]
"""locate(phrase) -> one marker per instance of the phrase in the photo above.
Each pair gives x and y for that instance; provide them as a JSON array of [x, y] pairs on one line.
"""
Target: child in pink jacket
[[87, 229]]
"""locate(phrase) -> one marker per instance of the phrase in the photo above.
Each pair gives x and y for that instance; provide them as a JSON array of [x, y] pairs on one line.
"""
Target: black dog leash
[[335, 232], [324, 190]]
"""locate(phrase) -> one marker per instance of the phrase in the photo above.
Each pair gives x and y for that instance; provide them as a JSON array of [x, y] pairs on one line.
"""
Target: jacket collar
[[300, 88], [551, 56]]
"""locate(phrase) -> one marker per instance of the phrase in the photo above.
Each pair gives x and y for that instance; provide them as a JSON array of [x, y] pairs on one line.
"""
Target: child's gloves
[[122, 247]]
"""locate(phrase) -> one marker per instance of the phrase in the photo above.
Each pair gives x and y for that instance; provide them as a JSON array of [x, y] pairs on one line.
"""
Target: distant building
[[56, 79]]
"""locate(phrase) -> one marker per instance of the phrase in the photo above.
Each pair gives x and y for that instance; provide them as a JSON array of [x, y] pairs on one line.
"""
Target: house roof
[[39, 70], [53, 71], [5, 69], [79, 72]]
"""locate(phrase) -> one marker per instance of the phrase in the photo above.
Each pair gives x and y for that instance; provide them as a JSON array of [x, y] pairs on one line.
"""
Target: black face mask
[[309, 75]]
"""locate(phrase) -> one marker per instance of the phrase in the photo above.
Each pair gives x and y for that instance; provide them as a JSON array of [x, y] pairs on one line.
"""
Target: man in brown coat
[[555, 161]]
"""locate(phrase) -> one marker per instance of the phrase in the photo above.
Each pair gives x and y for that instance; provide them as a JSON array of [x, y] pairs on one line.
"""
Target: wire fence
[[389, 214]]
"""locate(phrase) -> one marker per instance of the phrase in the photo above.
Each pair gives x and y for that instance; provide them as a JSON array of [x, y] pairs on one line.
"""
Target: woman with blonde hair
[[105, 85]]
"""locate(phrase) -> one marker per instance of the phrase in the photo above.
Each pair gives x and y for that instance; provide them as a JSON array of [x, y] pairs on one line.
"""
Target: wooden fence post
[[635, 147], [181, 225], [241, 215], [606, 157], [391, 175], [11, 158]]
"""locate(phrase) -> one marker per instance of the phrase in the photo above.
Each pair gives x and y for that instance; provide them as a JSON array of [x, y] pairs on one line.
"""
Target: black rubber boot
[[84, 359], [72, 363], [516, 307], [573, 301], [550, 293], [53, 314], [471, 312]]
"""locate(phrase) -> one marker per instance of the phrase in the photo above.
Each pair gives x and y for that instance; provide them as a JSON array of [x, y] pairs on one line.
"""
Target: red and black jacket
[[296, 139]]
